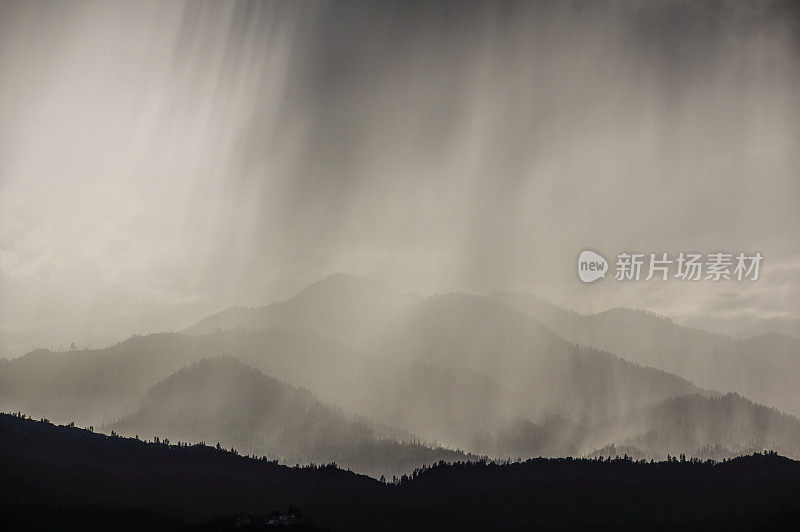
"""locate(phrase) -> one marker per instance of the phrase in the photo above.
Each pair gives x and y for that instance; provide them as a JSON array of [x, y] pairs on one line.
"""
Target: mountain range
[[255, 414], [354, 372], [765, 368]]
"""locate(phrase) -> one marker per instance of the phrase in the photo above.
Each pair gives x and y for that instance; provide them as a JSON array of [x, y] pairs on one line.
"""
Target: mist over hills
[[718, 426], [90, 386], [701, 426], [94, 386], [552, 376], [765, 368], [486, 375], [221, 399], [348, 308], [192, 171]]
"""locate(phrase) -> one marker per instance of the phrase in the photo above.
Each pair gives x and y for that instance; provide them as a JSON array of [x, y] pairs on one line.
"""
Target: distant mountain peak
[[338, 283]]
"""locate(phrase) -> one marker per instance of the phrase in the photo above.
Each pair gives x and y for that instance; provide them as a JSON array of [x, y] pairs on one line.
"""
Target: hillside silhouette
[[90, 477]]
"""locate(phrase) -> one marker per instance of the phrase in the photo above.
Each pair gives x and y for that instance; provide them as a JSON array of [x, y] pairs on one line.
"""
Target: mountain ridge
[[766, 369], [223, 398]]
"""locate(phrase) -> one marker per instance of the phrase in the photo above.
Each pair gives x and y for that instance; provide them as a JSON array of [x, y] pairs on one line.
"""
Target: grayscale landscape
[[335, 248]]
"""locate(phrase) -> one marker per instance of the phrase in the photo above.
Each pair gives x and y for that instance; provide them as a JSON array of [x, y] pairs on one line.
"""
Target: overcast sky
[[161, 161]]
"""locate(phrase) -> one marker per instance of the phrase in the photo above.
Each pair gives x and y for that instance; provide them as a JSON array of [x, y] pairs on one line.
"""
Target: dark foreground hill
[[69, 478]]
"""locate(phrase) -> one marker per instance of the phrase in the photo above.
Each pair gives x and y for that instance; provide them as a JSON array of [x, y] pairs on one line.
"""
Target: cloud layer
[[159, 161]]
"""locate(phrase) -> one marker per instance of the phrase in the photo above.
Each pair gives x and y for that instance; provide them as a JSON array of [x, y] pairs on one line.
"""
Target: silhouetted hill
[[59, 465], [74, 475], [223, 400], [765, 368]]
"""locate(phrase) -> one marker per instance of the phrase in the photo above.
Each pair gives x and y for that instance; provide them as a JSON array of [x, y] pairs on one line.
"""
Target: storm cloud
[[160, 161]]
